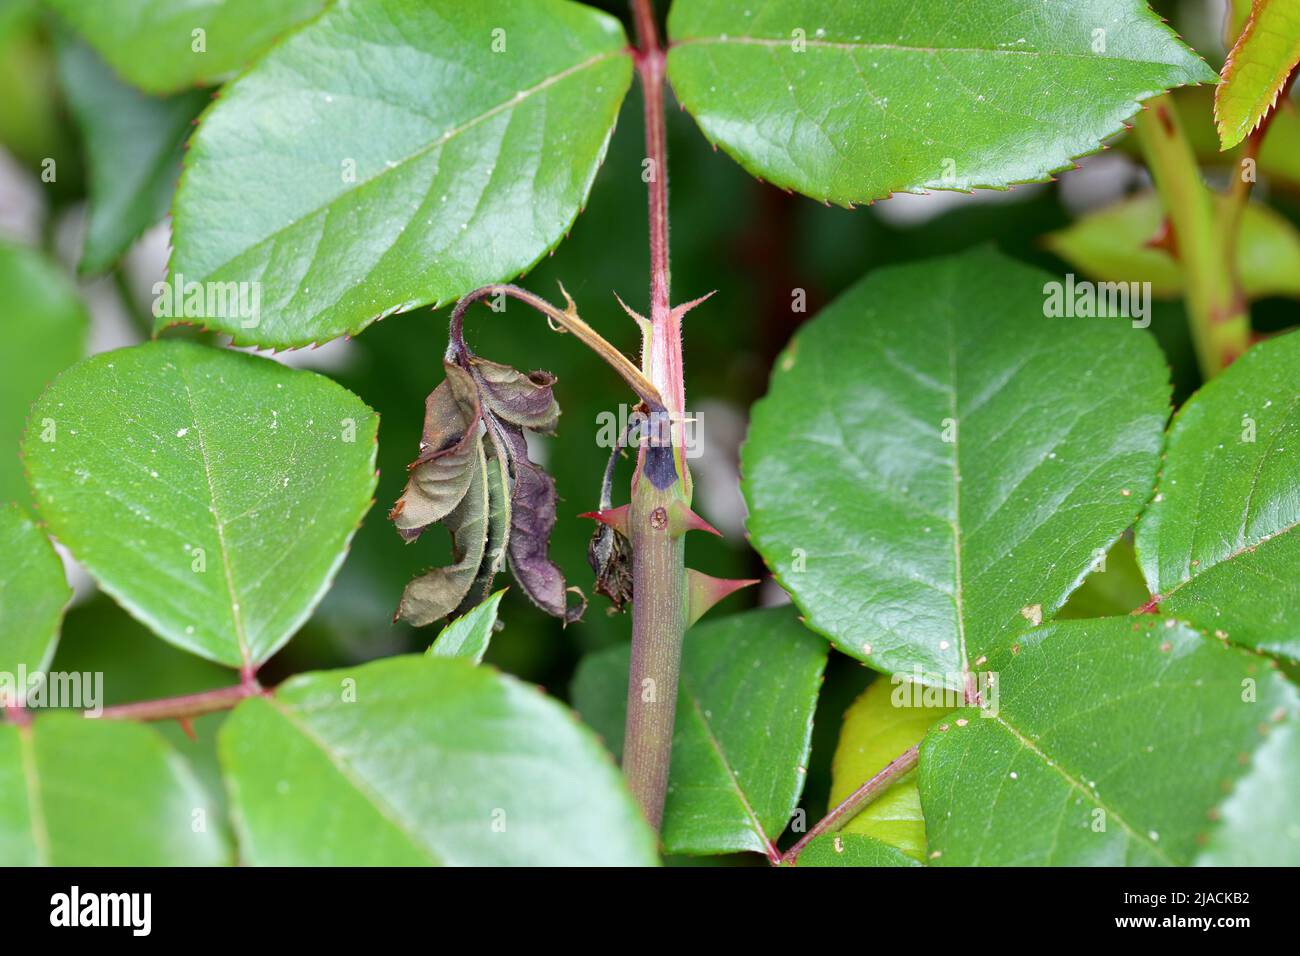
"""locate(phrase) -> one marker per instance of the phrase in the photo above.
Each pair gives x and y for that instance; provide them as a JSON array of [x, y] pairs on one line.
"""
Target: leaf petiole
[[185, 706], [853, 804], [567, 320]]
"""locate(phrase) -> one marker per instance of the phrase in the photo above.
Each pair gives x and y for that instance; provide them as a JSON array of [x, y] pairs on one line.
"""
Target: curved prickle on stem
[[704, 591]]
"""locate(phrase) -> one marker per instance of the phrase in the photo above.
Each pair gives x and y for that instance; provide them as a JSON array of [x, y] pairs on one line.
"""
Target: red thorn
[[1164, 239], [637, 317], [616, 518], [706, 591], [681, 310], [188, 726], [682, 519], [1149, 607]]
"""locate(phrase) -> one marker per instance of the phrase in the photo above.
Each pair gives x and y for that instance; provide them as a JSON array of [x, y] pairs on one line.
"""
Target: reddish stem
[[660, 598], [1149, 607], [185, 706], [662, 360], [854, 802]]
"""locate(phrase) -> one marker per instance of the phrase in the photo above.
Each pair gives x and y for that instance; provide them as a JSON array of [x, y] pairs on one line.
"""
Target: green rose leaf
[[162, 46], [849, 103], [852, 849], [80, 792], [99, 636], [133, 144], [884, 722], [1258, 824], [1219, 544], [45, 332], [461, 162], [1113, 245], [1111, 742], [468, 636], [212, 493], [33, 595], [418, 761], [1257, 69], [749, 686], [938, 463]]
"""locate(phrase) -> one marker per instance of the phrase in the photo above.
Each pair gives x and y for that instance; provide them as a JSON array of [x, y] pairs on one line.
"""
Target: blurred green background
[[754, 244]]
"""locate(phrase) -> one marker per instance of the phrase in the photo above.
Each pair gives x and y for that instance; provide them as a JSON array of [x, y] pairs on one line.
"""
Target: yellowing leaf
[[1257, 69], [883, 723]]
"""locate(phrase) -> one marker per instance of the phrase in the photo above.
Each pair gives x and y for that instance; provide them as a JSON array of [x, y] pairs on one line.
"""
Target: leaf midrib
[[732, 777], [958, 594], [348, 772], [236, 612], [1078, 785], [850, 46], [1244, 546], [427, 148], [35, 806], [1228, 559]]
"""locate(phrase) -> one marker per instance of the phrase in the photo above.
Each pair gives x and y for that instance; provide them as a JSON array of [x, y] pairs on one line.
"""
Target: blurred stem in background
[[141, 318], [1203, 238]]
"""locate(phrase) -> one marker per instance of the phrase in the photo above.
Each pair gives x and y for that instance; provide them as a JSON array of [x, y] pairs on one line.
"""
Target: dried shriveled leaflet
[[610, 557], [496, 472], [440, 591], [473, 474], [448, 449], [532, 516], [524, 400], [610, 552]]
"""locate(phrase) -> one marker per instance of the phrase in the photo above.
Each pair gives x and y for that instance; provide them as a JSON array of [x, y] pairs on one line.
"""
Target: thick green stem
[[659, 609], [140, 318], [659, 595], [1220, 320]]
